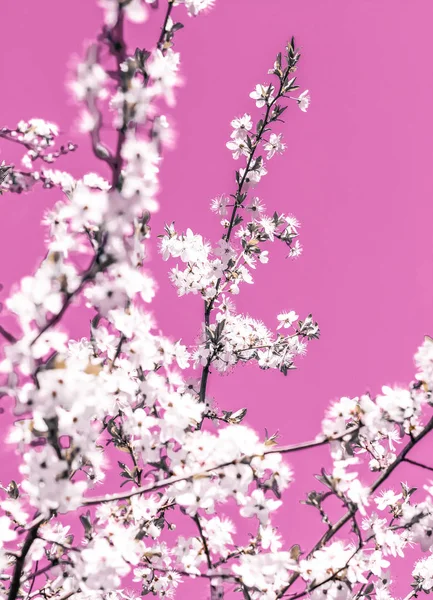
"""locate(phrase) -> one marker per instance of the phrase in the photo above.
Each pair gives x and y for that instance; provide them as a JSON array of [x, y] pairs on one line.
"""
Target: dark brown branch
[[418, 464], [8, 336], [19, 564], [197, 521], [164, 27]]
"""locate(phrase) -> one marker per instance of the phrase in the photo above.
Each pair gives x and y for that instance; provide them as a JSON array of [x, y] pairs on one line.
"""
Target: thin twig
[[418, 464], [8, 336]]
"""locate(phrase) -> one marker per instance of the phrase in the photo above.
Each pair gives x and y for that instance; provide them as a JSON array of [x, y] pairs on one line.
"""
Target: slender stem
[[263, 347], [5, 134], [202, 575], [216, 593], [164, 27], [33, 577], [418, 464], [208, 306], [197, 521], [46, 569], [363, 586], [122, 339], [327, 580], [247, 168], [206, 368], [8, 336]]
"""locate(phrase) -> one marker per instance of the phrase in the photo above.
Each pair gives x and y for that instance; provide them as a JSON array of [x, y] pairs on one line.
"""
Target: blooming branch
[[126, 388]]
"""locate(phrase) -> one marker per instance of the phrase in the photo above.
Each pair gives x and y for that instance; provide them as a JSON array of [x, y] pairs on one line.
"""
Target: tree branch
[[19, 564], [178, 478], [350, 513]]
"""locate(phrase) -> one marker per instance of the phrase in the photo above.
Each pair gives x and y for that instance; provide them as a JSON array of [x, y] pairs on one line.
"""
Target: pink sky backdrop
[[358, 175]]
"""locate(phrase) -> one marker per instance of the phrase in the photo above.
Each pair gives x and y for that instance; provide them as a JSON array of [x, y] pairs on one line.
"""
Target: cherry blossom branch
[[116, 41], [209, 305], [216, 575], [332, 577], [178, 478], [258, 139], [328, 535], [280, 342], [118, 48], [87, 276], [8, 134], [239, 199], [315, 586], [123, 380], [90, 273], [115, 38]]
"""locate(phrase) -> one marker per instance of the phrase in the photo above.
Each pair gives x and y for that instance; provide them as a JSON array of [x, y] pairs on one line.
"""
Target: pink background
[[358, 175]]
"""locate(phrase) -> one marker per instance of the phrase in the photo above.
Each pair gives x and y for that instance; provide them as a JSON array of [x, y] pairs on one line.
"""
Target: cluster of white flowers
[[381, 422], [195, 7], [424, 362], [127, 388], [215, 272], [37, 137], [423, 574]]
